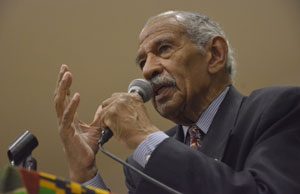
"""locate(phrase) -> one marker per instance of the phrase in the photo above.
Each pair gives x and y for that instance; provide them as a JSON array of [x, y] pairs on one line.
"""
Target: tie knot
[[194, 130]]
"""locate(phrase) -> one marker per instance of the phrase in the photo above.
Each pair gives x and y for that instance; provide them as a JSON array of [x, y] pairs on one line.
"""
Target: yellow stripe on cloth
[[48, 176], [53, 183], [98, 191], [76, 188], [46, 184]]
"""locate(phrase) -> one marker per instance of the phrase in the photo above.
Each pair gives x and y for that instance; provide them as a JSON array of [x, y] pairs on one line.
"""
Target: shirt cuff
[[143, 152], [97, 182]]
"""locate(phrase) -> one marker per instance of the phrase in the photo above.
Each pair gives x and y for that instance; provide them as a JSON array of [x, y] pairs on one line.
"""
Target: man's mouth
[[160, 88], [163, 92]]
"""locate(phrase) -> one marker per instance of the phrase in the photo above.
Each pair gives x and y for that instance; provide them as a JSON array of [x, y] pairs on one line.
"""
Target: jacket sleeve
[[132, 179]]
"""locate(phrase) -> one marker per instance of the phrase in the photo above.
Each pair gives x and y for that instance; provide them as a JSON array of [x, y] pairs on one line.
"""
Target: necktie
[[194, 137]]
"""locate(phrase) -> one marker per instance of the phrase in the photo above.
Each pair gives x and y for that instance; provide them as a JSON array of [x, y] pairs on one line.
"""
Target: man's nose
[[152, 66]]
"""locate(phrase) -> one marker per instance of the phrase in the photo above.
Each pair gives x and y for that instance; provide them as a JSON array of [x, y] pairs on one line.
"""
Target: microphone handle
[[107, 133]]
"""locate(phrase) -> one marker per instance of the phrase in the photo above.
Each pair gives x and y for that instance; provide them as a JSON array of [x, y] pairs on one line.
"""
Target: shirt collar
[[208, 115]]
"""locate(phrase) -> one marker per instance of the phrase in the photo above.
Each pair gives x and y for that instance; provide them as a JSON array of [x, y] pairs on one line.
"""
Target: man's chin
[[166, 111]]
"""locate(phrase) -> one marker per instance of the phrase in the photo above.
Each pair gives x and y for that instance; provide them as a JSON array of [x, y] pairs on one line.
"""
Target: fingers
[[137, 97], [62, 91], [100, 115], [104, 109], [110, 100], [64, 68], [117, 109], [122, 97], [110, 111], [68, 116]]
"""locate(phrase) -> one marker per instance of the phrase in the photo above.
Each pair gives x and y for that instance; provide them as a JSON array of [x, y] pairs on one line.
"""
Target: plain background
[[98, 40]]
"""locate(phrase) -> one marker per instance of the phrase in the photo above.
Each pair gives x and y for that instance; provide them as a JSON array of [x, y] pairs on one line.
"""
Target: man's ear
[[218, 49]]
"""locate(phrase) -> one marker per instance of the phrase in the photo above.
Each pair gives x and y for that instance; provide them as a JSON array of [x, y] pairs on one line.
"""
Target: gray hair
[[201, 29]]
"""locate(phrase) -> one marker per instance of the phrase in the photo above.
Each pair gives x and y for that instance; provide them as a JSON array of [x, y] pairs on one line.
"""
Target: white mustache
[[161, 80]]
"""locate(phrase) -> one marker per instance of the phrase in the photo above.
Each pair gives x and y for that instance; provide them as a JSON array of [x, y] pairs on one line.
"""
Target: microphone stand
[[30, 163]]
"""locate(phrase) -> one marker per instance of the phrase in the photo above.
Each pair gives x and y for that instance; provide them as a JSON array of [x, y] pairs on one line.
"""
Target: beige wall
[[98, 39]]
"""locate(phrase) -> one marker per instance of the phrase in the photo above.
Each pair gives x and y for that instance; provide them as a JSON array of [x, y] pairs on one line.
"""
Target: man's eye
[[165, 48], [142, 63]]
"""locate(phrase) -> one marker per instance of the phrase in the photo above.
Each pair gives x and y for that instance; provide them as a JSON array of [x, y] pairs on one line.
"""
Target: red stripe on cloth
[[30, 180]]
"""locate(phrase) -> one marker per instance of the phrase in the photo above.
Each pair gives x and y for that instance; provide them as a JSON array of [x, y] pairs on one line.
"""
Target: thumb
[[97, 117]]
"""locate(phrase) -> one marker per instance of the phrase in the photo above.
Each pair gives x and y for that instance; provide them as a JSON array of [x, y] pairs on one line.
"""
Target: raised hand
[[80, 140]]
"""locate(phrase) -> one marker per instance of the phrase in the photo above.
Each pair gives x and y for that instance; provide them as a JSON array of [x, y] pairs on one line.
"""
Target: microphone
[[140, 86], [19, 153]]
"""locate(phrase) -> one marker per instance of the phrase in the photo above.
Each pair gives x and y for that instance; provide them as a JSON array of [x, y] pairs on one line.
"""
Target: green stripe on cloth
[[10, 179], [46, 191]]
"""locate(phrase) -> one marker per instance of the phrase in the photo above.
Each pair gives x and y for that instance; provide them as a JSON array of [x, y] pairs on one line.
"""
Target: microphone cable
[[117, 159]]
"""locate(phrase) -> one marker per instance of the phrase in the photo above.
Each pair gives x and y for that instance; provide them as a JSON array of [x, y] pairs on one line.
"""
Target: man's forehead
[[167, 24]]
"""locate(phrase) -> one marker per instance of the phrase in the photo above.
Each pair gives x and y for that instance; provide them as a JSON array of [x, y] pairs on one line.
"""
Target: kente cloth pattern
[[21, 181]]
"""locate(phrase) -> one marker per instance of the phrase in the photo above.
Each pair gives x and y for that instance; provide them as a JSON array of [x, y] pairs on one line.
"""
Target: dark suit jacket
[[252, 146]]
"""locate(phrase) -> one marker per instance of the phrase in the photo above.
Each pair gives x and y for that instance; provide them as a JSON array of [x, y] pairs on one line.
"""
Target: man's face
[[176, 68]]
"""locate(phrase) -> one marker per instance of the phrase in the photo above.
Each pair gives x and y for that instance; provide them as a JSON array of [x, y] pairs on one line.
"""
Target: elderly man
[[223, 142]]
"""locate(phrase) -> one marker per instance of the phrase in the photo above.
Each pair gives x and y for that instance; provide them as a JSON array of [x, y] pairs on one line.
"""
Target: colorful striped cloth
[[21, 181]]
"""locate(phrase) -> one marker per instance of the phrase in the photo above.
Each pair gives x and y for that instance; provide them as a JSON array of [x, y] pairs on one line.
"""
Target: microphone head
[[22, 148], [142, 87]]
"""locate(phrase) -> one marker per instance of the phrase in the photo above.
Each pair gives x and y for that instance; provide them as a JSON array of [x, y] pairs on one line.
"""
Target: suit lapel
[[216, 139]]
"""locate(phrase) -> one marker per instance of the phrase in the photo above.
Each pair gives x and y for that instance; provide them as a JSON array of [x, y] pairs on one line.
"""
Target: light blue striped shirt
[[143, 152]]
